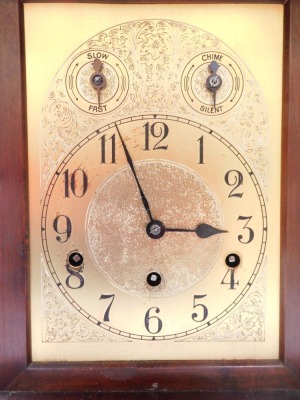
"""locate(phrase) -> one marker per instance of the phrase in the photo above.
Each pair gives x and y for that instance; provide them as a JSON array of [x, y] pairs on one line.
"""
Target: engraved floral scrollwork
[[61, 324], [62, 126], [246, 323], [154, 53]]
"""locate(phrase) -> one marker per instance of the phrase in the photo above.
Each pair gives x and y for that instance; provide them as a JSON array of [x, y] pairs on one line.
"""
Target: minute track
[[205, 230]]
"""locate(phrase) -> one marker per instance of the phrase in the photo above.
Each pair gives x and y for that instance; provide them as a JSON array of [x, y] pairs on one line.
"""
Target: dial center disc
[[123, 246]]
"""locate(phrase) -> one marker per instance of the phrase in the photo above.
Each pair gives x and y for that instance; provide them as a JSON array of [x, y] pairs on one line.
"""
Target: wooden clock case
[[22, 379]]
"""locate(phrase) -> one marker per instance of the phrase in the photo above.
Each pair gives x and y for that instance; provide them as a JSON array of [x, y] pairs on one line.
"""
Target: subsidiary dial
[[97, 82], [212, 83]]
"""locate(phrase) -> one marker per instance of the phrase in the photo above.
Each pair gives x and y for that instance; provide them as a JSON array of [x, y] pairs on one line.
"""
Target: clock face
[[127, 271], [157, 208]]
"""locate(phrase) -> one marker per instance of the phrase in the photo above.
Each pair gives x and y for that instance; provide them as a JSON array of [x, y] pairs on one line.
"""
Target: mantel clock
[[161, 199]]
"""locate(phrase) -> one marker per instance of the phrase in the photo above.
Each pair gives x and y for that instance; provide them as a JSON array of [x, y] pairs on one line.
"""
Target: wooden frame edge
[[13, 197], [20, 378], [146, 377]]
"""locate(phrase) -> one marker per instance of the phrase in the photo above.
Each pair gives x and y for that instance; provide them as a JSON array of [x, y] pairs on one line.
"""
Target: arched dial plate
[[93, 208], [154, 184]]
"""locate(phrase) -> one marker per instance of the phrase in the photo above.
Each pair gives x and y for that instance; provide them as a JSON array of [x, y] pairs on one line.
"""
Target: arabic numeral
[[231, 282], [74, 275], [103, 144], [153, 324], [250, 232], [203, 310], [201, 150], [158, 130], [76, 182], [63, 226], [235, 179], [110, 297]]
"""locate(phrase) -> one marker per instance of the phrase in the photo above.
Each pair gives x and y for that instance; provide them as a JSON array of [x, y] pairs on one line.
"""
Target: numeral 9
[[62, 225]]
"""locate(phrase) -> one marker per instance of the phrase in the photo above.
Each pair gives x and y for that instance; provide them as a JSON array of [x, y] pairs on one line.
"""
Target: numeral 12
[[158, 130]]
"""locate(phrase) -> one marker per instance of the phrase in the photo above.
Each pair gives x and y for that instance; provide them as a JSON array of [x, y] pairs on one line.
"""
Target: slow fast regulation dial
[[97, 82]]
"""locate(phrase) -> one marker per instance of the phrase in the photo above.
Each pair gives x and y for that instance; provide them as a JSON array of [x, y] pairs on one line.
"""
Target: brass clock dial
[[157, 208], [134, 277]]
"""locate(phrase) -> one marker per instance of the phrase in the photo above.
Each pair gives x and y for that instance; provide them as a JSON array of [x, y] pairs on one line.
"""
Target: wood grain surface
[[21, 379]]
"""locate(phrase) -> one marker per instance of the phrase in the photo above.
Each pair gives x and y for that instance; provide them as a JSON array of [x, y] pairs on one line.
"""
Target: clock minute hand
[[204, 231], [129, 160]]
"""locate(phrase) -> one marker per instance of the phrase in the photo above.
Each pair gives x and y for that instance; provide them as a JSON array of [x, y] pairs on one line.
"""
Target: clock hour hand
[[129, 160], [204, 231]]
